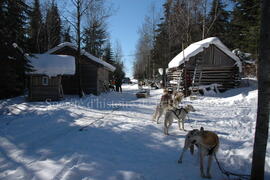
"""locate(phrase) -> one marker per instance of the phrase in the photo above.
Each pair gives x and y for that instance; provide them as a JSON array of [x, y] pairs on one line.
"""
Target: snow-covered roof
[[83, 52], [52, 65], [198, 47]]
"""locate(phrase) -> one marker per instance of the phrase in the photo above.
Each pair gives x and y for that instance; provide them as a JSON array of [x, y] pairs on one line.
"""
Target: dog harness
[[177, 112]]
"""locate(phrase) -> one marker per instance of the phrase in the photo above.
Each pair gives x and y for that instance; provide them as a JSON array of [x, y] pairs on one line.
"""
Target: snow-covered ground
[[112, 137]]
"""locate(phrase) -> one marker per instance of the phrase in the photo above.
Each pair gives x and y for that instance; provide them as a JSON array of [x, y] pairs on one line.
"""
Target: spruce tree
[[66, 35], [53, 26], [94, 38], [35, 28], [108, 54], [245, 26], [218, 21], [13, 63], [16, 12], [118, 63]]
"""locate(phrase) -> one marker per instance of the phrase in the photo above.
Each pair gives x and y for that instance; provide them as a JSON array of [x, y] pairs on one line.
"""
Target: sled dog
[[177, 98], [176, 113], [166, 102], [207, 143]]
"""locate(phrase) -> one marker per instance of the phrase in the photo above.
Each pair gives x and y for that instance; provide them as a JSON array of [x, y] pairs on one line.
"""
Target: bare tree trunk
[[80, 90], [262, 124], [204, 18]]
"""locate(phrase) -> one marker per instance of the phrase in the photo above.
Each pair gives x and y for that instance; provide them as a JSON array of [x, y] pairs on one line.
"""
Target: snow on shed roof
[[198, 47], [83, 52], [52, 65]]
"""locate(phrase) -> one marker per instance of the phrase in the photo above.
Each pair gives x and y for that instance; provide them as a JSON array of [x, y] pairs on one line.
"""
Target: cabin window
[[45, 80]]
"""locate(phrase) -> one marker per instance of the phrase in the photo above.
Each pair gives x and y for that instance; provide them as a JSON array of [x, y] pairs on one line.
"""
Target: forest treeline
[[162, 36], [28, 27]]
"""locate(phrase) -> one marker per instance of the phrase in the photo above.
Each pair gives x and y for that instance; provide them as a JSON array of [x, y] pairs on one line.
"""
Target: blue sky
[[124, 24]]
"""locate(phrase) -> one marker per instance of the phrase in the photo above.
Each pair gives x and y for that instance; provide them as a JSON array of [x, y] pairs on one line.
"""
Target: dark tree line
[[38, 26], [184, 22], [114, 58], [13, 63], [44, 32]]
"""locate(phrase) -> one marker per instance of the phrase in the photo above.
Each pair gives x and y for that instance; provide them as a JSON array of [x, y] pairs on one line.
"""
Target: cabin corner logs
[[214, 66]]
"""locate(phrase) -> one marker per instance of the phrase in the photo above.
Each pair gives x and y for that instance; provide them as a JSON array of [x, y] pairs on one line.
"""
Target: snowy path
[[43, 141]]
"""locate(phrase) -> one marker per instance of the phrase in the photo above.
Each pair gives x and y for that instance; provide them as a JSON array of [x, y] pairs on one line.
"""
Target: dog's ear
[[191, 148], [202, 129]]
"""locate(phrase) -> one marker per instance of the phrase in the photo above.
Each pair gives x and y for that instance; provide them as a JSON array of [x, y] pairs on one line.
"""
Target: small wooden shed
[[45, 82], [203, 63], [94, 72]]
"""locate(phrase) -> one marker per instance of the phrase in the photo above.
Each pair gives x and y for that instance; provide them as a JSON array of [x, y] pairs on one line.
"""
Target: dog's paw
[[179, 161], [206, 177]]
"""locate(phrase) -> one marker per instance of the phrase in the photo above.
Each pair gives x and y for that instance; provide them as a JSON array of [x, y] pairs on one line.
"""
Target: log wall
[[214, 67], [39, 92], [89, 74]]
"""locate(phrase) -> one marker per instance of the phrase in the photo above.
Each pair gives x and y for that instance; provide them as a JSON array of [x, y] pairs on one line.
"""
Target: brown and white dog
[[177, 98], [207, 143], [179, 114], [166, 102]]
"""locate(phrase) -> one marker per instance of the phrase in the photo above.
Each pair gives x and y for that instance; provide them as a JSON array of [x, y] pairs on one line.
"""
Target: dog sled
[[144, 93]]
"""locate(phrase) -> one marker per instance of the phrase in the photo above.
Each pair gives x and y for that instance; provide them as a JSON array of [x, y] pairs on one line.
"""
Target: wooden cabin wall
[[89, 77], [211, 56], [220, 58], [216, 67], [103, 78], [89, 74], [228, 77], [37, 91], [70, 84]]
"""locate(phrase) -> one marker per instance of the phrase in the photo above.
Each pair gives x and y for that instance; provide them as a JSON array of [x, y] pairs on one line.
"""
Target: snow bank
[[42, 140], [52, 65], [83, 52], [197, 47]]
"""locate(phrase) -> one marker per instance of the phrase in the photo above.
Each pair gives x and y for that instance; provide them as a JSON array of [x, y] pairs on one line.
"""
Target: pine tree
[[13, 63], [35, 28], [245, 26], [108, 54], [94, 38], [161, 53], [118, 63], [218, 21], [66, 35], [119, 71], [53, 26], [16, 20]]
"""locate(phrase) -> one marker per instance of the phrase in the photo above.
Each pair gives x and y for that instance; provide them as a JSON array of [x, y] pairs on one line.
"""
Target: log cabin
[[45, 79], [204, 63], [92, 71]]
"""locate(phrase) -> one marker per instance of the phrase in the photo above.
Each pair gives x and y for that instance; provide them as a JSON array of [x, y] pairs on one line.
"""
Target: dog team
[[169, 104], [207, 142]]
